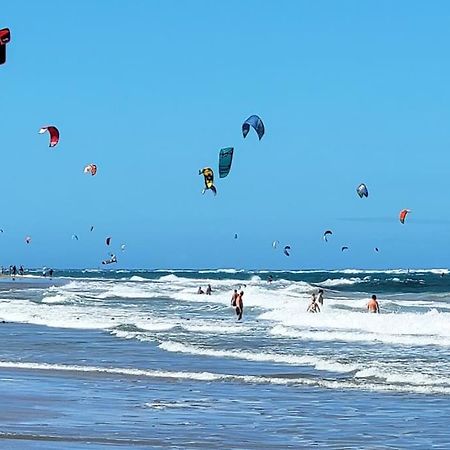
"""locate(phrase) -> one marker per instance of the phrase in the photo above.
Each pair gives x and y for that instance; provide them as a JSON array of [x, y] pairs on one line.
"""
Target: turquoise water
[[136, 359]]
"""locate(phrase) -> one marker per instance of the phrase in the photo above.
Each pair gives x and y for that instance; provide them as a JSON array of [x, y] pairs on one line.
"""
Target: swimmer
[[200, 290], [373, 306], [208, 290]]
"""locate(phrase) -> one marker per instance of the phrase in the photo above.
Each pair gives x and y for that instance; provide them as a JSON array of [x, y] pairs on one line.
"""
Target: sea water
[[137, 359]]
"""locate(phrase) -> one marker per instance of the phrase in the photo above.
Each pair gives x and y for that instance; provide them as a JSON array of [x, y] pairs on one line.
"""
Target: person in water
[[240, 305], [234, 298], [319, 297], [270, 279], [208, 290], [21, 271], [50, 272], [313, 306], [373, 306], [200, 290]]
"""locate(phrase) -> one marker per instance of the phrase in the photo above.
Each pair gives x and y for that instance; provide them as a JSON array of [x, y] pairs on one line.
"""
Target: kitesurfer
[[208, 290], [373, 306]]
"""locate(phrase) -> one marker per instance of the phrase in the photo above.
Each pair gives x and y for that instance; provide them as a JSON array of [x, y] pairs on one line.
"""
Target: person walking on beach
[[373, 306], [14, 271], [319, 297], [240, 305], [313, 306], [21, 271]]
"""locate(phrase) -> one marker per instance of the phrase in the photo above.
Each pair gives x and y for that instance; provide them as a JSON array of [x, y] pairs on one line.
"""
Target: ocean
[[137, 359]]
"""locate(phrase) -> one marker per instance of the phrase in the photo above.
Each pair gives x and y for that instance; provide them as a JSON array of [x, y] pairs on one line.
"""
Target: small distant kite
[[344, 248], [225, 160], [362, 190], [122, 247], [326, 234], [54, 134], [208, 174], [28, 239], [5, 37], [90, 168], [286, 250], [403, 214], [74, 236], [256, 123], [376, 249], [275, 244], [108, 241], [92, 227], [235, 235]]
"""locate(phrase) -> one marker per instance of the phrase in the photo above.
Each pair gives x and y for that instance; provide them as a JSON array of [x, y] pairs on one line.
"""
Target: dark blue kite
[[256, 123]]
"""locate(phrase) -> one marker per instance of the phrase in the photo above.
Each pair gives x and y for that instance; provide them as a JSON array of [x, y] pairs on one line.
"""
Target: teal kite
[[225, 159]]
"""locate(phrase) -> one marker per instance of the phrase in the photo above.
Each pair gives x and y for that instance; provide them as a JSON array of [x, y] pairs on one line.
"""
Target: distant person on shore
[[21, 271], [373, 306], [240, 305], [14, 271], [313, 306], [208, 290], [200, 290], [319, 297]]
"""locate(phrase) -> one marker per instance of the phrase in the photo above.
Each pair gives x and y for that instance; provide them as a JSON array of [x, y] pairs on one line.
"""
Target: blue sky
[[150, 91]]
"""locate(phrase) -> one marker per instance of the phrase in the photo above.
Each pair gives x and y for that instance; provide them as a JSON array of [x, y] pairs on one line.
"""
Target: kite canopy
[[91, 168], [286, 250], [326, 234], [275, 244], [122, 247], [92, 227], [403, 214], [5, 37], [362, 190], [74, 236], [208, 174], [256, 123], [225, 159], [28, 239], [108, 241], [344, 248], [54, 134], [235, 235], [376, 249]]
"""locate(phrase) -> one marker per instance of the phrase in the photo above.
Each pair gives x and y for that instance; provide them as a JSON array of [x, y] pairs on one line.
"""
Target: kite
[[5, 37], [256, 123], [344, 248], [91, 168], [111, 260], [54, 134], [403, 214], [225, 159], [362, 191], [275, 244], [108, 241], [208, 174], [286, 250], [74, 236], [326, 234], [28, 239]]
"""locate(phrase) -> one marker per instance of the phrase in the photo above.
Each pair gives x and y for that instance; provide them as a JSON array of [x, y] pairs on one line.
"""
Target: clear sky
[[150, 91]]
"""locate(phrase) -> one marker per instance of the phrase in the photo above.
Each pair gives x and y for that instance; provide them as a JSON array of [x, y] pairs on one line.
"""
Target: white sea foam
[[299, 360]]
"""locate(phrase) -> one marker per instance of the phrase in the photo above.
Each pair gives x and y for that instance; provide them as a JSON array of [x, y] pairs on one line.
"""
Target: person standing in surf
[[373, 306], [240, 305], [319, 297]]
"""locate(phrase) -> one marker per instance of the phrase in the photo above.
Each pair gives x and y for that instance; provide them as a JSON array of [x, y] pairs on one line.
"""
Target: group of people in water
[[237, 301], [317, 301], [13, 271]]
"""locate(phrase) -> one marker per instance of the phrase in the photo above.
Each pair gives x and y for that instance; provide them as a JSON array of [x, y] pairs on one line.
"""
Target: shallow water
[[138, 359]]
